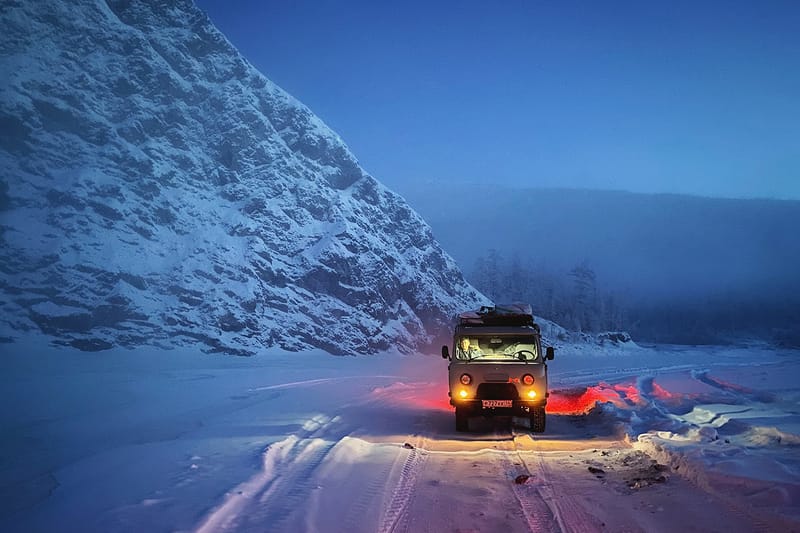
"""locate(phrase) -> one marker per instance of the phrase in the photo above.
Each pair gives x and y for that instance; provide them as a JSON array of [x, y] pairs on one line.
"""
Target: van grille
[[497, 391]]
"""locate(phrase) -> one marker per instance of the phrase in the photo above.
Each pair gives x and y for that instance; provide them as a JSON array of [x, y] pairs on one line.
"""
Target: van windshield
[[497, 347]]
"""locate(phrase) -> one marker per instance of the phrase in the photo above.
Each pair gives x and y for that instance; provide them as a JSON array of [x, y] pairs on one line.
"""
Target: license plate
[[497, 403]]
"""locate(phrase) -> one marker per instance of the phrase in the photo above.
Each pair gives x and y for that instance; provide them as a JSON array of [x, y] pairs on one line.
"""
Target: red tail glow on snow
[[660, 393], [581, 400], [417, 396]]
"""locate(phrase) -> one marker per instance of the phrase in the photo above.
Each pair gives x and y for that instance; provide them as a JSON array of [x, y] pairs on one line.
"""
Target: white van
[[497, 367]]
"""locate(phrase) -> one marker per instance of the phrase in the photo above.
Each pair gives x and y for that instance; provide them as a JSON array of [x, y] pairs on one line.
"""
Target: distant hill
[[659, 252]]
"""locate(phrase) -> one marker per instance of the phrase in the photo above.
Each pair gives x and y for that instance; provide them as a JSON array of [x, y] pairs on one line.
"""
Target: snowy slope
[[156, 188]]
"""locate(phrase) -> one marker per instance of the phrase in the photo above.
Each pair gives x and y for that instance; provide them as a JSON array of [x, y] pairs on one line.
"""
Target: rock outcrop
[[155, 188]]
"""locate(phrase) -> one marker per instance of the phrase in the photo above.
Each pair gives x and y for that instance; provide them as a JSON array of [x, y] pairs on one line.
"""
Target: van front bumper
[[517, 408]]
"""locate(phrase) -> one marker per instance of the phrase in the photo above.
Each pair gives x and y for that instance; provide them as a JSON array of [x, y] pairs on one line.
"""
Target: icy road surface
[[656, 439]]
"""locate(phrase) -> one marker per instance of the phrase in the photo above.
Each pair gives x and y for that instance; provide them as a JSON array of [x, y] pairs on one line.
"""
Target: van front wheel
[[538, 419], [462, 420]]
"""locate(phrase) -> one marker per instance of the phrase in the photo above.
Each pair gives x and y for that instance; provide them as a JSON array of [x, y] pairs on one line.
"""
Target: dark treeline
[[719, 319], [571, 299], [576, 299]]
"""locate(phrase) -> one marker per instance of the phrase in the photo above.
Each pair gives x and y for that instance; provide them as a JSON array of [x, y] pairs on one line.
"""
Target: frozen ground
[[683, 439]]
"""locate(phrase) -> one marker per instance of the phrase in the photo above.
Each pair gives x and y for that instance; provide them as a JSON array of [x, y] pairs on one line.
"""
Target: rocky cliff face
[[156, 189]]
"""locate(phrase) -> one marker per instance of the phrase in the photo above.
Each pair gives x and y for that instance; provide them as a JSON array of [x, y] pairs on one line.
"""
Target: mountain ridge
[[161, 190]]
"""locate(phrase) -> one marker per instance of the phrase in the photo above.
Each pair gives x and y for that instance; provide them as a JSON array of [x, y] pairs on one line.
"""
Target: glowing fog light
[[531, 394], [462, 393]]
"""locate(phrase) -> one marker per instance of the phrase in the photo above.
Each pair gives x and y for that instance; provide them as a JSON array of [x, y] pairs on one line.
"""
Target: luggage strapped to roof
[[514, 314]]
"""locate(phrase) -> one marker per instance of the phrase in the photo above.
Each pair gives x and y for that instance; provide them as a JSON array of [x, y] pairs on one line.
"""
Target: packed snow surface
[[655, 438]]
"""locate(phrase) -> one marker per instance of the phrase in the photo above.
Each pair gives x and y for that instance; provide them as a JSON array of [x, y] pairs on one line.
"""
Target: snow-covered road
[[689, 439]]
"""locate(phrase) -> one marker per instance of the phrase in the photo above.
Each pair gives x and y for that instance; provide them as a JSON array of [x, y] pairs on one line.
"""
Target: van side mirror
[[445, 353], [550, 353]]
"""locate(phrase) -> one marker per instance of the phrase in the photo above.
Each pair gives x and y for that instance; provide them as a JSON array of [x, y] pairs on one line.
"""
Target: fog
[[673, 261]]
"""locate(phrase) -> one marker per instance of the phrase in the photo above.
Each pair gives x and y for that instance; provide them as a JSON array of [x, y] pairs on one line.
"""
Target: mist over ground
[[680, 269]]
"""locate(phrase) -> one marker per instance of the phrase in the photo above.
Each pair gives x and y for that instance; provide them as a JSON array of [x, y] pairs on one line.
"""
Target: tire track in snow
[[394, 516], [271, 496], [289, 494], [406, 464], [545, 508], [538, 514], [354, 519], [593, 376], [312, 382]]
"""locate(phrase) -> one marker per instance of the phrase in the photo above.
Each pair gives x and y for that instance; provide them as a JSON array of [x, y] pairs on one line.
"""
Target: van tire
[[538, 420], [462, 420]]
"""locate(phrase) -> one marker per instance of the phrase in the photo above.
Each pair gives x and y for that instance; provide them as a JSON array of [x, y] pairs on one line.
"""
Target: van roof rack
[[513, 314]]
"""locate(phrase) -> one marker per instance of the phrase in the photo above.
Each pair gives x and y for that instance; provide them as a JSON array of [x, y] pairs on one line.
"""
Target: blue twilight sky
[[694, 97]]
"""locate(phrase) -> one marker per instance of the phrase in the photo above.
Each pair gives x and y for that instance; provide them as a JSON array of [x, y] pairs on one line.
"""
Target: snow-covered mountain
[[155, 188]]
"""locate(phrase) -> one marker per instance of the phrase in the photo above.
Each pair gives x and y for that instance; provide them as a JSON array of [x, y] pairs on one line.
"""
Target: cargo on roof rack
[[513, 314]]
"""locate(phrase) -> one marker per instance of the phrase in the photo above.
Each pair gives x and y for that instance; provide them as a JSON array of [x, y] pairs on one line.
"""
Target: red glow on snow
[[580, 401], [629, 393], [723, 384], [660, 393], [417, 396]]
